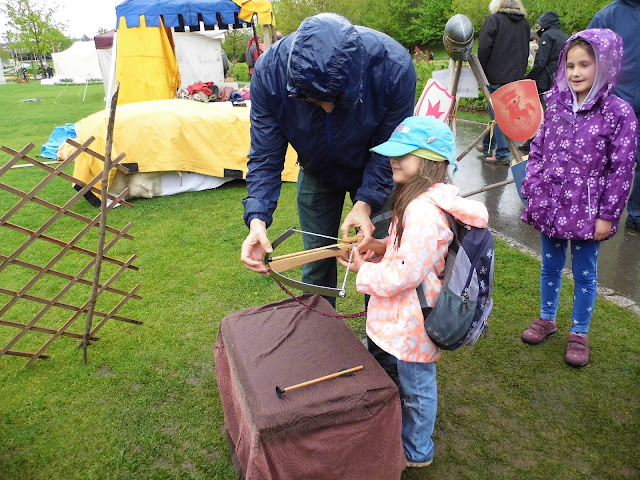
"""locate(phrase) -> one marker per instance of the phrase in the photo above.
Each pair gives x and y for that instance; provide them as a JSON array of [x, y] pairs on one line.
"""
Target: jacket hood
[[326, 61], [514, 13], [549, 20], [607, 46]]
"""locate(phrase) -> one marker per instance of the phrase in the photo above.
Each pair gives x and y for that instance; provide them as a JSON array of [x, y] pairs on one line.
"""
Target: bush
[[239, 72], [424, 71]]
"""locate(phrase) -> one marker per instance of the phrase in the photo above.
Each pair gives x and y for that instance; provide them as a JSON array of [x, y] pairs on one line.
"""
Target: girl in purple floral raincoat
[[578, 177]]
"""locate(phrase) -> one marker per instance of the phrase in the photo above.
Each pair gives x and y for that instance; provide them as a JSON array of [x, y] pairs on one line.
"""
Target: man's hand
[[359, 217], [255, 246], [603, 229]]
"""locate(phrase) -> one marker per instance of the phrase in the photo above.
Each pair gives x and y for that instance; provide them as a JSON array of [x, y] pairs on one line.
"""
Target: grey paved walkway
[[619, 261]]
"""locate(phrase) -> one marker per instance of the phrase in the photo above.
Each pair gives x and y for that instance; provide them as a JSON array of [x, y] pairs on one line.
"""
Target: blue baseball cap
[[419, 132]]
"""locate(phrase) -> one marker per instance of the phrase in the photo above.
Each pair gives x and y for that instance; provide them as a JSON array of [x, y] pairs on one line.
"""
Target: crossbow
[[343, 249]]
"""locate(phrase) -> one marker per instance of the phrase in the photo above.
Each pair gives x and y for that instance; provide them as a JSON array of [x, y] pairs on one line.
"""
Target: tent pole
[[86, 85], [112, 70], [254, 21]]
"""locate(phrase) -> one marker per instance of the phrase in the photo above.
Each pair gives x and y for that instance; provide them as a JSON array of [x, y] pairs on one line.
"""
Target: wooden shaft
[[326, 377], [293, 260], [350, 240]]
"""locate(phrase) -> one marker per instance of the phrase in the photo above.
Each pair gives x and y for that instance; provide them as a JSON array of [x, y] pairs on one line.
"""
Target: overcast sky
[[83, 17]]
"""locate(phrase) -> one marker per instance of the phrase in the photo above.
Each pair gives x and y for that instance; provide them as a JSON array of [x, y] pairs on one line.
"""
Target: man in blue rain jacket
[[333, 91]]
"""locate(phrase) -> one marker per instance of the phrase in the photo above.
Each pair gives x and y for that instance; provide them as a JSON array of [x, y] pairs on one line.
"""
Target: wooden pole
[[103, 223], [488, 187], [254, 21], [476, 68]]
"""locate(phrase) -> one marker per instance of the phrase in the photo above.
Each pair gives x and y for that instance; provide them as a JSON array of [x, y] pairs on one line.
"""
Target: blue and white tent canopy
[[180, 13]]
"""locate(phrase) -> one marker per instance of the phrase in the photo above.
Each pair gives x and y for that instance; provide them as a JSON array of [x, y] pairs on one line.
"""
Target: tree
[[290, 13], [235, 44], [33, 28]]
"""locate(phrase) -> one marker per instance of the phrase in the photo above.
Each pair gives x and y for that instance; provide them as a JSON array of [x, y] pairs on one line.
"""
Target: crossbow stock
[[343, 249]]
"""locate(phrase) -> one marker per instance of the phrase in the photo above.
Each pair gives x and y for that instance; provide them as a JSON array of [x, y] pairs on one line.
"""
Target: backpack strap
[[453, 226]]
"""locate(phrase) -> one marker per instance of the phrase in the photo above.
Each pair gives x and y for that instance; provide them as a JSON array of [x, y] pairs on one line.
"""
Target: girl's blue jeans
[[419, 397], [584, 259]]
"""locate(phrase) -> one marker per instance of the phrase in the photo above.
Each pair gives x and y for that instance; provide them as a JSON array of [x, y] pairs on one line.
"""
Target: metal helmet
[[458, 37]]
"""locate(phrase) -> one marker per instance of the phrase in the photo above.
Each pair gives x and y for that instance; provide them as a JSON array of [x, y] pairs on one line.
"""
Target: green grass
[[147, 405]]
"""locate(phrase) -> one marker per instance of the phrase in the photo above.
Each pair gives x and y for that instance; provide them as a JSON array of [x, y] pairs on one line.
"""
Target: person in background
[[546, 61], [50, 71], [578, 177], [332, 90], [252, 52], [225, 64], [420, 151], [503, 51], [533, 47], [623, 17]]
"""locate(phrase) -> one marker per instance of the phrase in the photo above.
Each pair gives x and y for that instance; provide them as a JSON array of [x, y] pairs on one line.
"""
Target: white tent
[[104, 50], [79, 62], [2, 79], [199, 56]]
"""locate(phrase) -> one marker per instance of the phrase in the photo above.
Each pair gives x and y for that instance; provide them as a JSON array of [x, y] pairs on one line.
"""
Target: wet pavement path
[[619, 259]]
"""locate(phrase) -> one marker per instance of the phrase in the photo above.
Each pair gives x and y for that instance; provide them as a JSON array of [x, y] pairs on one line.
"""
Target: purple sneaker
[[577, 350], [538, 331]]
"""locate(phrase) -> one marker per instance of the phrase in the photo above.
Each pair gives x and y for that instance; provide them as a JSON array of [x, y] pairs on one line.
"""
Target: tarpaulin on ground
[[57, 138], [173, 135]]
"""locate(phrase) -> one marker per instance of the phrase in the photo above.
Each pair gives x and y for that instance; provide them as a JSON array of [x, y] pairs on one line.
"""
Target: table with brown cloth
[[346, 427]]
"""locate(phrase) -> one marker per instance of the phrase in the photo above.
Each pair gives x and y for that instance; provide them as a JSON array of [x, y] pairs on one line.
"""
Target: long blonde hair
[[429, 173]]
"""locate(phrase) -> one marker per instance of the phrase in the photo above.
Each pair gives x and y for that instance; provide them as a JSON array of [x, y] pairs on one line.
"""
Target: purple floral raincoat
[[581, 161]]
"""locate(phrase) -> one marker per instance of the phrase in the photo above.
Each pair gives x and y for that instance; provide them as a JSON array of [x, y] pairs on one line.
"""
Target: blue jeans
[[633, 206], [419, 398], [319, 211], [498, 144], [584, 257]]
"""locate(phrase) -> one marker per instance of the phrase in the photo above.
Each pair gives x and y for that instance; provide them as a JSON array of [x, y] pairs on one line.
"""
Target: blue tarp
[[57, 138], [170, 9]]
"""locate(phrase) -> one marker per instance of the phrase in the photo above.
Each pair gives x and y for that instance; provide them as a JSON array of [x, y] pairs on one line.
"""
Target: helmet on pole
[[458, 37]]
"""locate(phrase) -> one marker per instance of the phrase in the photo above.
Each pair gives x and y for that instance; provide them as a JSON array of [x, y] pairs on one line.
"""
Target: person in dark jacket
[[333, 91], [503, 51], [623, 17], [546, 61]]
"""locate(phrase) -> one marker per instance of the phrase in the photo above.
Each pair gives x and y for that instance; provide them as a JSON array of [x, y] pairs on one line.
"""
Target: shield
[[517, 109], [435, 101]]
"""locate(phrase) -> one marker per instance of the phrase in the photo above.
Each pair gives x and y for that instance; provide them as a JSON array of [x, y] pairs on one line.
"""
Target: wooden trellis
[[42, 276]]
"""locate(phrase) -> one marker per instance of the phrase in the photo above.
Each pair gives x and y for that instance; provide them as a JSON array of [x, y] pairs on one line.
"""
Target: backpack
[[462, 310]]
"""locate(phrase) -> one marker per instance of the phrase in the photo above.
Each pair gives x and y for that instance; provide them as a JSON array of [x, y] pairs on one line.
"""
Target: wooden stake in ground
[[103, 222]]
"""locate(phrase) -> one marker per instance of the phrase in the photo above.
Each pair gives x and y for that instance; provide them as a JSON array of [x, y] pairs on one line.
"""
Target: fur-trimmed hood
[[510, 7]]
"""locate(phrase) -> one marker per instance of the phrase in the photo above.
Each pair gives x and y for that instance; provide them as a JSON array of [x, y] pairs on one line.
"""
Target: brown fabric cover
[[341, 428]]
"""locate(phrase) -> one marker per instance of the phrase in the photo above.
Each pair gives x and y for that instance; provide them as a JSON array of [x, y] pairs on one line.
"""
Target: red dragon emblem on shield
[[517, 109]]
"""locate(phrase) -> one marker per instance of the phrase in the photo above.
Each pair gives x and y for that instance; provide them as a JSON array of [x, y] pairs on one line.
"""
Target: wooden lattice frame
[[35, 237]]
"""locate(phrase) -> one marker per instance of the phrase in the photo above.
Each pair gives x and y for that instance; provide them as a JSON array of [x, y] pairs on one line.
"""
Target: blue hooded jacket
[[371, 80], [623, 17]]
